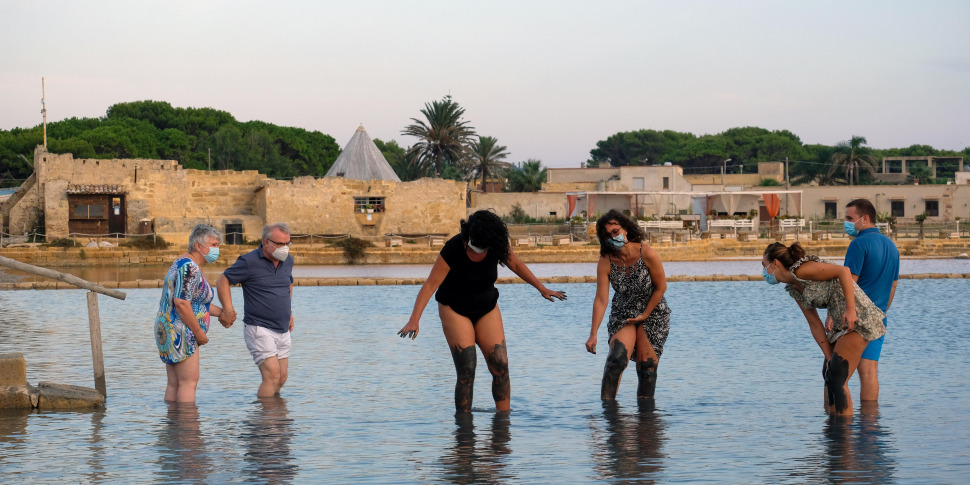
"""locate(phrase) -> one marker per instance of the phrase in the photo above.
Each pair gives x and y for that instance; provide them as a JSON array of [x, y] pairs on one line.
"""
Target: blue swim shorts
[[873, 349]]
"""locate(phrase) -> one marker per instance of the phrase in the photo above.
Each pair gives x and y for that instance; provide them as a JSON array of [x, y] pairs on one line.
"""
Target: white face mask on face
[[281, 253]]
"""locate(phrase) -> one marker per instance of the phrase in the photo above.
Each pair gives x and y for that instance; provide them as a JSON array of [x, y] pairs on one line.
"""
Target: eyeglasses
[[279, 243]]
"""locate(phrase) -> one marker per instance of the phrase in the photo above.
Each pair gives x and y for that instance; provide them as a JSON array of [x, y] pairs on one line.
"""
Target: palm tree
[[487, 155], [443, 135], [851, 157], [528, 176]]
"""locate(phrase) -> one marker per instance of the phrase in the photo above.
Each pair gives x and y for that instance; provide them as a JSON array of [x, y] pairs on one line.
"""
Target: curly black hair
[[485, 230], [633, 232]]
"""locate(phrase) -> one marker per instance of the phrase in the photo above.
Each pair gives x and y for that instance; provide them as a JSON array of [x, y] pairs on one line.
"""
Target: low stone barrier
[[694, 250], [372, 281], [17, 393]]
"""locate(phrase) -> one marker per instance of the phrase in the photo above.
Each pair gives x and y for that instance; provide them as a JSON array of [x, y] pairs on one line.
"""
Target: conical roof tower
[[362, 160]]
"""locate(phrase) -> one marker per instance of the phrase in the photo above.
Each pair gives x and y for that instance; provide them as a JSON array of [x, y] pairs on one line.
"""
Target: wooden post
[[97, 357]]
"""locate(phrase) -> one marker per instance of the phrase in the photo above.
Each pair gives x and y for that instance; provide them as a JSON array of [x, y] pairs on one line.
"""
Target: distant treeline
[[155, 129], [197, 136], [744, 147]]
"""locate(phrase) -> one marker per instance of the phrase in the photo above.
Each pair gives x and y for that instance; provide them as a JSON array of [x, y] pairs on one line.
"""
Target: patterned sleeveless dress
[[174, 339], [633, 287], [829, 295]]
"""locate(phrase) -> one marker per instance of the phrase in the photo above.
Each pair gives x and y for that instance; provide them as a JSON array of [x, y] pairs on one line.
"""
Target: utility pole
[[43, 108], [787, 185], [210, 159]]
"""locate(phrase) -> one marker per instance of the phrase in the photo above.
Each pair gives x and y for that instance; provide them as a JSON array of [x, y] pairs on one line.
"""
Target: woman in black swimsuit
[[463, 283], [640, 318]]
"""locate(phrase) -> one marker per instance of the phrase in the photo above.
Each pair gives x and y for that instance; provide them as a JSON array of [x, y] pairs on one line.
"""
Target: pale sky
[[547, 78]]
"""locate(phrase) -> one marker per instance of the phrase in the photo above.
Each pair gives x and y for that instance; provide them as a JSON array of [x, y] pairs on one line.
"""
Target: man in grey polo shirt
[[266, 276]]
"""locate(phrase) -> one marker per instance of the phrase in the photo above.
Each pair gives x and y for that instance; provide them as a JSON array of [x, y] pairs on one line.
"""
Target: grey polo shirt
[[266, 289]]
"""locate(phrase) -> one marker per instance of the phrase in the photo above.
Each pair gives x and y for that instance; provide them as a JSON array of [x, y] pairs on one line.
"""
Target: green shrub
[[146, 242], [63, 242], [354, 248]]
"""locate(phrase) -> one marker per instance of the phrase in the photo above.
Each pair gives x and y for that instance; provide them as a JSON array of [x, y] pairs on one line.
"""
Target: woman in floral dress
[[183, 314], [639, 318], [855, 318]]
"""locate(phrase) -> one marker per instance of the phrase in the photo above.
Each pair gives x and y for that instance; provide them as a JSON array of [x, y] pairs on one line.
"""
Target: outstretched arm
[[519, 268], [818, 330], [438, 273], [600, 301]]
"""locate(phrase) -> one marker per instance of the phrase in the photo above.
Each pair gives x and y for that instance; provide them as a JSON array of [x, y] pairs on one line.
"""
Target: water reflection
[[183, 456], [182, 449], [98, 471], [469, 463], [859, 448], [267, 434], [13, 426], [631, 446]]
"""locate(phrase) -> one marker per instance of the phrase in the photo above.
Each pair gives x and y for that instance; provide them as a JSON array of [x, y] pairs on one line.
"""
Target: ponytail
[[787, 255]]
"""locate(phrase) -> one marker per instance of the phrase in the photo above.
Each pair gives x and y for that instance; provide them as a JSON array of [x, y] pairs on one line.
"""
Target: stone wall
[[175, 199], [326, 206], [22, 210]]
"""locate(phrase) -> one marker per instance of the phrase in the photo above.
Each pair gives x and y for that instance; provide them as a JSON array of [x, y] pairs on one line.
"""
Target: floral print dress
[[829, 295], [633, 287], [174, 339]]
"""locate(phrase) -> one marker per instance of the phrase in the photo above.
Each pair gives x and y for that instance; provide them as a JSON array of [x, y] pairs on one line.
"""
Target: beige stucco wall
[[539, 205], [620, 179], [954, 200], [566, 175]]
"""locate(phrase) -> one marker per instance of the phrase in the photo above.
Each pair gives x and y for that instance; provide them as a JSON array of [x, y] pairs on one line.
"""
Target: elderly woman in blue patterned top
[[183, 314]]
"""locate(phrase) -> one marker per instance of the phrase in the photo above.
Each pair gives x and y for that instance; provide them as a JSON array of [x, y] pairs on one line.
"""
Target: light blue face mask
[[212, 256], [769, 278], [850, 228], [618, 241]]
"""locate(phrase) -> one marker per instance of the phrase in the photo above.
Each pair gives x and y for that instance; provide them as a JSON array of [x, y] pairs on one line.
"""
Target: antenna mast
[[43, 108]]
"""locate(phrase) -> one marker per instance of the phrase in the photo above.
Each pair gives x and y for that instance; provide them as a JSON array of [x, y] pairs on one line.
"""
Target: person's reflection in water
[[182, 446], [268, 433], [632, 448], [467, 463], [859, 449]]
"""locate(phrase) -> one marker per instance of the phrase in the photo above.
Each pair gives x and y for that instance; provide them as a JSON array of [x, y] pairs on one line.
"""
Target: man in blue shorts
[[266, 276], [874, 262]]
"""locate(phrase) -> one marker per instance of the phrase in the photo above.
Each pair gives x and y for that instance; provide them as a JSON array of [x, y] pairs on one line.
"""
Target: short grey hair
[[201, 235], [268, 228]]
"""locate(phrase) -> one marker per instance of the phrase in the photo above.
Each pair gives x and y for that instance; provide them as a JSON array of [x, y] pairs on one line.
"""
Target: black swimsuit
[[469, 288]]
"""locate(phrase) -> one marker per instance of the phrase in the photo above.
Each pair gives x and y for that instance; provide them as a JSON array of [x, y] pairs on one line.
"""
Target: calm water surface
[[738, 399], [687, 268]]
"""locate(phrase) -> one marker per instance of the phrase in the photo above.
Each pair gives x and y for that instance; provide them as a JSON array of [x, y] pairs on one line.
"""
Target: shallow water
[[686, 268], [738, 399]]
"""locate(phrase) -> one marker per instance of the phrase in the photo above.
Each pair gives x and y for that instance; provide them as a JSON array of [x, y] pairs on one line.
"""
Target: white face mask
[[281, 253], [477, 249]]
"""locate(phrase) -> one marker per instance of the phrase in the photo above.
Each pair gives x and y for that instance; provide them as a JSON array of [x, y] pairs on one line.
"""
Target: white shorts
[[264, 343]]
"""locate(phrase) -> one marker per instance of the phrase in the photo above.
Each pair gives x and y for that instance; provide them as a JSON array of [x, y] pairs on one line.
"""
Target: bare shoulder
[[649, 254], [604, 262]]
